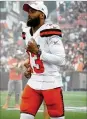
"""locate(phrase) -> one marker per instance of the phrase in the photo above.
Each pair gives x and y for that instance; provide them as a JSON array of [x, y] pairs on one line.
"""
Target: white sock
[[26, 116], [58, 117]]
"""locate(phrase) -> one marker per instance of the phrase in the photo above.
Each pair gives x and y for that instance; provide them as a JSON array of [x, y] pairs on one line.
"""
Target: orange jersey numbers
[[39, 68]]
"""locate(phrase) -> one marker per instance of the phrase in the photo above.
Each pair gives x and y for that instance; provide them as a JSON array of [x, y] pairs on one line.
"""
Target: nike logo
[[55, 42]]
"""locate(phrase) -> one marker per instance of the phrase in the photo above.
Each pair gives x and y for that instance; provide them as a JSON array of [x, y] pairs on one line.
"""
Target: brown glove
[[32, 47]]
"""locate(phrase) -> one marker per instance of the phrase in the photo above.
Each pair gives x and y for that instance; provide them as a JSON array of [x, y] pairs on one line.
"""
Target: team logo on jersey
[[55, 42]]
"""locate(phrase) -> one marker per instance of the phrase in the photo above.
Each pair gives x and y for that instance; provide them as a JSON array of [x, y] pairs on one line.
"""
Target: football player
[[46, 56]]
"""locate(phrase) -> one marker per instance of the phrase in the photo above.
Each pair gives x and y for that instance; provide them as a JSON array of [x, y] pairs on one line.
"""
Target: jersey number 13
[[39, 67]]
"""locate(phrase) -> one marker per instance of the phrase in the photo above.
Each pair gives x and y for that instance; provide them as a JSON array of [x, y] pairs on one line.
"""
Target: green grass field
[[76, 100]]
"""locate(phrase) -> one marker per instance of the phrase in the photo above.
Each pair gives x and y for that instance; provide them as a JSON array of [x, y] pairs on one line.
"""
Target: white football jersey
[[46, 67]]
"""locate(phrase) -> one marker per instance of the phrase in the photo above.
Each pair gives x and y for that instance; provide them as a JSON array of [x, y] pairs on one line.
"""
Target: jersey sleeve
[[56, 55]]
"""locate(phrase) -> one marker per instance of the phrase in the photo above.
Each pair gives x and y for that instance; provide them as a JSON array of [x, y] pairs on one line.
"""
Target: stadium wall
[[78, 81]]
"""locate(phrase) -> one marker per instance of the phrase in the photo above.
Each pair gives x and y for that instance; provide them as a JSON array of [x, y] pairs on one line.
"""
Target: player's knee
[[26, 116], [25, 108], [55, 113]]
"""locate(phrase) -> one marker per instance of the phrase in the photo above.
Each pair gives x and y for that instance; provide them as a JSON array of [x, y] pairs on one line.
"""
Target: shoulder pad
[[50, 29]]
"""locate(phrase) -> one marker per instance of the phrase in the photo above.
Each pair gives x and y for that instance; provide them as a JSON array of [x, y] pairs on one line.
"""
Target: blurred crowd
[[11, 45], [74, 37], [74, 15], [70, 11]]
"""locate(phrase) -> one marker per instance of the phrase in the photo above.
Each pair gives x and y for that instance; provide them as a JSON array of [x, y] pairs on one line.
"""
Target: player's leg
[[46, 115], [54, 101], [18, 90], [10, 91], [30, 103]]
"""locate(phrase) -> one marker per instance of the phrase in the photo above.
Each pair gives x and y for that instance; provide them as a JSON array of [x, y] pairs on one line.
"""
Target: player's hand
[[32, 47], [28, 69], [28, 72]]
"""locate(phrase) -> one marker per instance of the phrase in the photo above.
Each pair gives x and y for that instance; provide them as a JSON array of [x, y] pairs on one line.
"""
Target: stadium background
[[72, 18]]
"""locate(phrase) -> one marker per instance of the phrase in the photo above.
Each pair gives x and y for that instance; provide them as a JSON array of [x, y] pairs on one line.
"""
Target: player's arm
[[57, 53], [55, 56]]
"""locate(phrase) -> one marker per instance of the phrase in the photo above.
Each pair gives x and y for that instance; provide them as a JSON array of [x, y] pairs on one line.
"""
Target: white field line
[[75, 109]]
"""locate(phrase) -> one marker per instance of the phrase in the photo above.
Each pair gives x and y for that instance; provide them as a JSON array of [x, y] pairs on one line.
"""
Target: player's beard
[[33, 22]]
